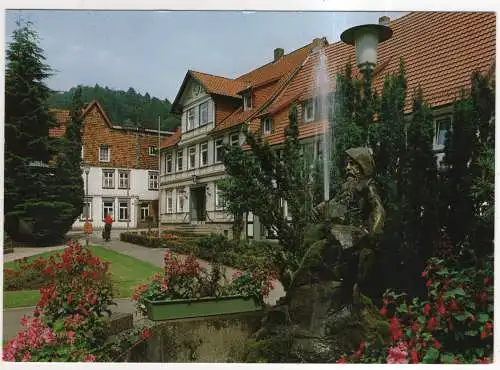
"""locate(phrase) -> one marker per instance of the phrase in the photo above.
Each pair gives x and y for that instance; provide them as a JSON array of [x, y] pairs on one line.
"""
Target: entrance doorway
[[198, 203]]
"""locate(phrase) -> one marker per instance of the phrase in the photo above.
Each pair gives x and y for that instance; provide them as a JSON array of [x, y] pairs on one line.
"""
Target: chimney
[[384, 20], [278, 54], [318, 43]]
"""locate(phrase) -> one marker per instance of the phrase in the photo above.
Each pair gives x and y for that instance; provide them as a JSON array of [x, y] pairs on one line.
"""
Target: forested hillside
[[123, 107]]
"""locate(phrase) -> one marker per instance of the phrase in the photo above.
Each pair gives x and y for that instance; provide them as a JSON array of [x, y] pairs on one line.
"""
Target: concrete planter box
[[199, 307]]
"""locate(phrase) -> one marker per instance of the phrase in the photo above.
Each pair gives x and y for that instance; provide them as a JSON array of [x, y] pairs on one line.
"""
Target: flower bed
[[453, 324], [68, 323], [184, 282]]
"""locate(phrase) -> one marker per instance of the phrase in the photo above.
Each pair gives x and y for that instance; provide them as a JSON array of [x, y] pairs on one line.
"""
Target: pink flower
[[427, 309], [396, 332], [71, 337], [432, 323], [90, 358], [26, 357], [398, 354], [414, 357], [383, 311]]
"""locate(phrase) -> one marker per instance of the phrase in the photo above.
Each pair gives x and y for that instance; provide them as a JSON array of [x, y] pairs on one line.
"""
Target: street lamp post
[[365, 39], [87, 227]]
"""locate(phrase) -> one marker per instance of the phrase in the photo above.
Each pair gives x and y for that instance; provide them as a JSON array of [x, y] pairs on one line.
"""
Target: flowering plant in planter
[[453, 324], [186, 279]]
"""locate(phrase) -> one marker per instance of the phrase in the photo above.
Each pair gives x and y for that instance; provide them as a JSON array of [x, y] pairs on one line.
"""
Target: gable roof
[[62, 118], [171, 140]]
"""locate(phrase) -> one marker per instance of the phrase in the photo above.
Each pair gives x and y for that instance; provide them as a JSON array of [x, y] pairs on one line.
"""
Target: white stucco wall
[[138, 192]]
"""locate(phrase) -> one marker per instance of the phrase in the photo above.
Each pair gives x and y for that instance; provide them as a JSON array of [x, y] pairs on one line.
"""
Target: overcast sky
[[151, 51]]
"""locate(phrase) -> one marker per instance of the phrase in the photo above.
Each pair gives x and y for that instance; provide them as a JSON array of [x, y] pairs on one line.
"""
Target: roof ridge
[[211, 74], [272, 62]]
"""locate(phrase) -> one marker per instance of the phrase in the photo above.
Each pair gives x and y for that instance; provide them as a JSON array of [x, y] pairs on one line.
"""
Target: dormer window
[[247, 101], [309, 111], [267, 125]]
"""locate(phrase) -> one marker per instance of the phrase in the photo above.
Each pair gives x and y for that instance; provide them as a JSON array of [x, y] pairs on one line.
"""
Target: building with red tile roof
[[123, 173], [440, 51]]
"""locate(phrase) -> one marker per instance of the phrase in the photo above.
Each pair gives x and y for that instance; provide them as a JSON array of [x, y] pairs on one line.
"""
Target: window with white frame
[[267, 125], [442, 126], [82, 154], [191, 157], [104, 153], [86, 210], [153, 151], [218, 150], [108, 207], [123, 209], [234, 139], [153, 180], [247, 101], [190, 118], [124, 179], [181, 199], [179, 160], [204, 154], [108, 179], [144, 212], [170, 202], [309, 111], [203, 113], [219, 200], [168, 163]]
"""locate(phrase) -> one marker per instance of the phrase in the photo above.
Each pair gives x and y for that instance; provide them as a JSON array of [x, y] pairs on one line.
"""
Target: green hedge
[[214, 248]]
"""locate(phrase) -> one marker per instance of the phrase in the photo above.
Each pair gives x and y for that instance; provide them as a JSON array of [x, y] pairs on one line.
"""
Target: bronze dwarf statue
[[338, 243]]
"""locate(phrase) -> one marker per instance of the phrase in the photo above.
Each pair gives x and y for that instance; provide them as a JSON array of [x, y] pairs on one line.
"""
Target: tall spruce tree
[[27, 123], [67, 161]]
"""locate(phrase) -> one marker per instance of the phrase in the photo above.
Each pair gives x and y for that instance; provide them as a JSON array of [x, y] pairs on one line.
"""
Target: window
[[247, 101], [234, 139], [170, 202], [309, 111], [181, 197], [86, 210], [192, 157], [179, 160], [267, 125], [219, 201], [123, 210], [108, 179], [107, 207], [123, 180], [104, 153], [153, 180], [190, 119], [168, 163], [81, 156], [204, 113], [319, 150], [153, 151], [443, 125], [144, 212], [204, 154], [218, 150]]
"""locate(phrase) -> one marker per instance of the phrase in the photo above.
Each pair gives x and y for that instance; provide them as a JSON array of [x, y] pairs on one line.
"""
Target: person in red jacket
[[108, 222]]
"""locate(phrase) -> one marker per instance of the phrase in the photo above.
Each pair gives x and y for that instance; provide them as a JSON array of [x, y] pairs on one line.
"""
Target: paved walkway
[[11, 317]]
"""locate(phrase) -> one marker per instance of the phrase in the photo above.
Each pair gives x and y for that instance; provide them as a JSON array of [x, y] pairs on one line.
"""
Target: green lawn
[[126, 273]]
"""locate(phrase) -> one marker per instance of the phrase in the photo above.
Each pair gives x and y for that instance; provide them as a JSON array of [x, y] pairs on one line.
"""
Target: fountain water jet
[[320, 97]]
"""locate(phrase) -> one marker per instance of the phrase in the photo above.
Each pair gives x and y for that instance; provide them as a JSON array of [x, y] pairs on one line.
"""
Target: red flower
[[146, 333], [486, 280], [484, 360], [442, 308], [342, 360], [427, 309], [432, 323], [424, 273], [90, 358], [484, 334], [437, 344], [71, 337], [453, 305], [414, 357], [396, 332], [428, 283], [383, 311]]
